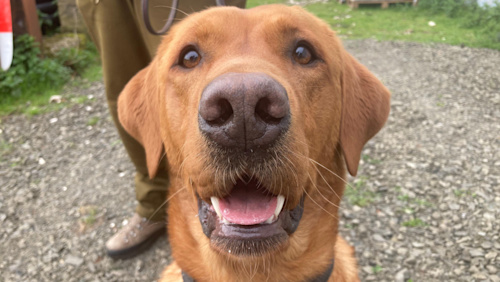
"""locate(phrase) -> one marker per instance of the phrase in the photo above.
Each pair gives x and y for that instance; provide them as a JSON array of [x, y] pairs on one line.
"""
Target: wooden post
[[25, 19]]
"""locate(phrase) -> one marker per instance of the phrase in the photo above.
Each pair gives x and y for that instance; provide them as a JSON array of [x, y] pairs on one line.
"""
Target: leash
[[171, 16], [323, 277]]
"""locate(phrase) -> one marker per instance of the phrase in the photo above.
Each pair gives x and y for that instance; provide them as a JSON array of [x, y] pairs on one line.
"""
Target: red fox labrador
[[260, 113]]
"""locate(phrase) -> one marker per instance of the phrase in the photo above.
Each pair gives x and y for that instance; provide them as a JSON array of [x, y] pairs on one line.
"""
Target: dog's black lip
[[248, 239]]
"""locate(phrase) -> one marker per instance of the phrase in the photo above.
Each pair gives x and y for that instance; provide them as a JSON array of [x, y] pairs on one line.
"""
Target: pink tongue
[[247, 205]]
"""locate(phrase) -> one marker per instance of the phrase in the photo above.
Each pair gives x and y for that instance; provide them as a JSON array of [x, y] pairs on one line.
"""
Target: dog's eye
[[189, 58], [302, 55]]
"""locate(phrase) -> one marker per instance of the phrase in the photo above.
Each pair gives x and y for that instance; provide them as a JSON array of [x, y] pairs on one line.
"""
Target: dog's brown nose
[[245, 111]]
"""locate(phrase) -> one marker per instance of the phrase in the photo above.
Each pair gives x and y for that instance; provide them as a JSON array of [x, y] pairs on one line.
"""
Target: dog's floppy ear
[[138, 114], [365, 108]]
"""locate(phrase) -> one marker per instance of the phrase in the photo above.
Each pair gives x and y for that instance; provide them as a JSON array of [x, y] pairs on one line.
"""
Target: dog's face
[[257, 111]]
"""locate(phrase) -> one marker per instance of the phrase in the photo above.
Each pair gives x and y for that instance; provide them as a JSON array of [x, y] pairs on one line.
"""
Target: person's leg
[[113, 27]]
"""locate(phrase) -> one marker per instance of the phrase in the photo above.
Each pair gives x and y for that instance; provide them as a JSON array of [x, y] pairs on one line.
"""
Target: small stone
[[74, 260], [491, 269], [417, 244], [53, 120], [454, 206], [378, 238], [480, 276], [402, 275], [402, 251], [476, 253], [41, 161], [367, 269], [488, 216], [91, 267], [55, 99], [486, 245], [490, 255], [436, 215]]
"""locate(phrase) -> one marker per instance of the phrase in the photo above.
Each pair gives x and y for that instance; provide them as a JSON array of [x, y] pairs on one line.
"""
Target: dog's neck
[[323, 277]]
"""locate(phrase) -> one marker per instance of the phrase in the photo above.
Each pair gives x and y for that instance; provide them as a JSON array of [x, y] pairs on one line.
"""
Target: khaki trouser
[[125, 46]]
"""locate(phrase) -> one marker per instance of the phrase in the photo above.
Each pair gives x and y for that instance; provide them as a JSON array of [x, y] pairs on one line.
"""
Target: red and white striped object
[[6, 44]]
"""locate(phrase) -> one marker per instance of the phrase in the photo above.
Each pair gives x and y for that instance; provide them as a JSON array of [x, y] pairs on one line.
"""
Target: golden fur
[[337, 106]]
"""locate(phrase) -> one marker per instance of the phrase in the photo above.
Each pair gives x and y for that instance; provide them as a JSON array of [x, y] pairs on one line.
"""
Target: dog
[[261, 113]]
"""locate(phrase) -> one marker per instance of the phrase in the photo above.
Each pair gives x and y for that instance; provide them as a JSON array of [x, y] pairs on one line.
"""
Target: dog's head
[[257, 111]]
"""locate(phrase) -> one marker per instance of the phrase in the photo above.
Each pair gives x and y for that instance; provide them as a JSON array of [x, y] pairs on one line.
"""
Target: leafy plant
[[77, 59], [29, 70]]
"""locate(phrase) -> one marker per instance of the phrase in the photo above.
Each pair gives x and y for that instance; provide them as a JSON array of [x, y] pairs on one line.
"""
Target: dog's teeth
[[215, 204], [270, 219], [225, 221], [279, 206]]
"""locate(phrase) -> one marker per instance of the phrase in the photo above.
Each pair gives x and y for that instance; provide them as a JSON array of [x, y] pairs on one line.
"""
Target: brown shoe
[[134, 238]]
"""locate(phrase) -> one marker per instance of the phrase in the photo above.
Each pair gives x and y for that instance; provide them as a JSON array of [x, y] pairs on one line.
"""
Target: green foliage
[[30, 82], [449, 7], [359, 195], [93, 121], [486, 19], [376, 269], [29, 70], [416, 222], [78, 60]]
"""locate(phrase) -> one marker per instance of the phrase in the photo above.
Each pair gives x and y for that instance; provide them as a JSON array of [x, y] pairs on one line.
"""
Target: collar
[[323, 277]]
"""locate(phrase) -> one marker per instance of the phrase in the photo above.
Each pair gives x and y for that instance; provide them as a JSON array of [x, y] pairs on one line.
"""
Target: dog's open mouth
[[250, 220]]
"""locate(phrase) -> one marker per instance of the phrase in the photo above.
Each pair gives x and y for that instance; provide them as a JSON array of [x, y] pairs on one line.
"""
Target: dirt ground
[[424, 207]]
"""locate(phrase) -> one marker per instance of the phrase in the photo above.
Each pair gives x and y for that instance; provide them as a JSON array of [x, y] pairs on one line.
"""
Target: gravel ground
[[425, 206]]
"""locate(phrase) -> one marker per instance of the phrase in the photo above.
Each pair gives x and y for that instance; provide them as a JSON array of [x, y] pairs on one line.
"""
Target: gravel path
[[425, 206]]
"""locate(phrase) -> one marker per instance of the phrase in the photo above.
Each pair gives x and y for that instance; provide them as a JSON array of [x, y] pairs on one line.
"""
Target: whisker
[[166, 201], [319, 205], [329, 170], [331, 188], [321, 194], [170, 7]]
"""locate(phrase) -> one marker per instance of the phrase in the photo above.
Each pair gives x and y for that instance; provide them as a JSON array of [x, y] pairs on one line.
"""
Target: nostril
[[223, 112], [269, 112]]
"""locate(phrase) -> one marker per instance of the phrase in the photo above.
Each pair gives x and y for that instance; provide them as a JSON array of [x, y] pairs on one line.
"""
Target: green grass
[[398, 22], [88, 216], [359, 195], [370, 160], [376, 269], [93, 121], [416, 222], [36, 101]]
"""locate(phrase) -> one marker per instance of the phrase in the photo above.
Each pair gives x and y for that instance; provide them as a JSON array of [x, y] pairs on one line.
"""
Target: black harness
[[323, 277]]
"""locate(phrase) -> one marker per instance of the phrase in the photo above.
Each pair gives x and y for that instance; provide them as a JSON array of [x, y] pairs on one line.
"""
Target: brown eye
[[189, 59], [302, 55]]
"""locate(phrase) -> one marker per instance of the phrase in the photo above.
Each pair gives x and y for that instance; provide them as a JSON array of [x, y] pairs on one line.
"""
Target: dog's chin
[[248, 224]]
